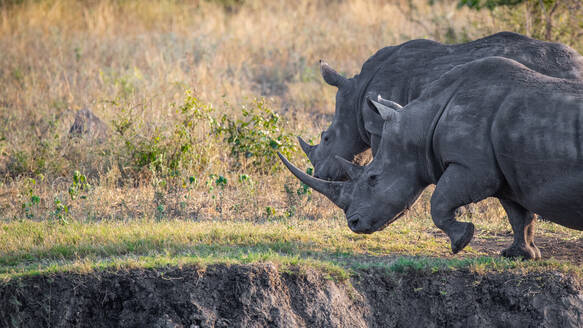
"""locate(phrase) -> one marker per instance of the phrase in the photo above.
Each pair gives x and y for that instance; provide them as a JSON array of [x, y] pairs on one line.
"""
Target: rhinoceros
[[401, 72], [488, 128]]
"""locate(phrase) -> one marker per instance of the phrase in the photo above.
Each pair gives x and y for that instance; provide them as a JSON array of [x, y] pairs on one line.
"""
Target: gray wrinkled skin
[[400, 73], [489, 128]]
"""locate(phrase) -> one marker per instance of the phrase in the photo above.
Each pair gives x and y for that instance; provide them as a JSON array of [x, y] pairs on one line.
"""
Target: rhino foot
[[522, 251], [462, 240]]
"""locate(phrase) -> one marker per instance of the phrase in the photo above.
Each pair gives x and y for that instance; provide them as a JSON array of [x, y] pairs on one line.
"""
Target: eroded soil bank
[[261, 295]]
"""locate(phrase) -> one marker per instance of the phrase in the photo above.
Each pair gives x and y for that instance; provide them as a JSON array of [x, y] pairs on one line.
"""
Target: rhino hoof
[[537, 254], [523, 251], [460, 243]]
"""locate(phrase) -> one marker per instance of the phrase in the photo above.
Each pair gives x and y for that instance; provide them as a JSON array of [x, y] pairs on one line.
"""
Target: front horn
[[330, 189], [331, 76], [307, 148]]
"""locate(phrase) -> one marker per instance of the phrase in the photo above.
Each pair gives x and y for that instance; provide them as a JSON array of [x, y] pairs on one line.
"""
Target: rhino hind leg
[[522, 222], [458, 187], [530, 238]]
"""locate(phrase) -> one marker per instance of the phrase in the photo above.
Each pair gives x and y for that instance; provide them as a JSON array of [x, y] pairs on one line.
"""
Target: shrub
[[256, 138], [166, 154]]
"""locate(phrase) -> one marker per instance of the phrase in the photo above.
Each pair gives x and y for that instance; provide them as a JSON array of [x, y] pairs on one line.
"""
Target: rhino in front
[[489, 128], [400, 73]]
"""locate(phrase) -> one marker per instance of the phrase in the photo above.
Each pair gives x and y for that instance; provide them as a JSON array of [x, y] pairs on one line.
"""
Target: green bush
[[166, 154], [255, 139]]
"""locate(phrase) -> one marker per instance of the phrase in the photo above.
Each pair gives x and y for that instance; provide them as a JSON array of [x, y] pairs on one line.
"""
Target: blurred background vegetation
[[196, 97]]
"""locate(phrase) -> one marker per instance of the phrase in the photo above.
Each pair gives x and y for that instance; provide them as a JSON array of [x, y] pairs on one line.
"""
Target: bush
[[256, 138], [166, 154]]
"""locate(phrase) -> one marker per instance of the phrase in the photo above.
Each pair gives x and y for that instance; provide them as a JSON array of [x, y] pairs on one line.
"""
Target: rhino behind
[[400, 73]]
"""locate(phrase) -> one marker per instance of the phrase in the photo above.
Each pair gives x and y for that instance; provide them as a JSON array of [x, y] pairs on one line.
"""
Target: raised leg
[[522, 222], [457, 187]]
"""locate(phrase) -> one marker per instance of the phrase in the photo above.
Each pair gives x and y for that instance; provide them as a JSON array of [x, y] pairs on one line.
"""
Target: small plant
[[78, 185], [31, 199], [269, 211], [160, 203], [61, 211], [216, 180], [221, 181], [304, 189], [296, 195], [244, 178]]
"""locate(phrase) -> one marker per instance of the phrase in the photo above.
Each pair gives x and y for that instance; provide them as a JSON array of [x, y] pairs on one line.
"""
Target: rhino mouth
[[383, 225], [386, 224], [377, 227]]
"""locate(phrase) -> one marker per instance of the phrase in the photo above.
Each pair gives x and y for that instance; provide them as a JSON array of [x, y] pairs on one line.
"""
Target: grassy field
[[197, 97]]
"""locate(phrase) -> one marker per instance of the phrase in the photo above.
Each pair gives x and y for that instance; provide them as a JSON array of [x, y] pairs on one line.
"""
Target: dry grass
[[134, 60], [139, 57]]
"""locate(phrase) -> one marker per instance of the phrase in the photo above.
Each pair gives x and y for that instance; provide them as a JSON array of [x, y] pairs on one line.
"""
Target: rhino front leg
[[522, 222], [457, 187]]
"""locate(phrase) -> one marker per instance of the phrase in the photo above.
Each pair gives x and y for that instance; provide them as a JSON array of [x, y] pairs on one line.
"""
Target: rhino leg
[[457, 187], [530, 238], [522, 222]]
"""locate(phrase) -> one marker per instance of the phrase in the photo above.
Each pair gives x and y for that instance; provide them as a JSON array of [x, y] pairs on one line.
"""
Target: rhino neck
[[434, 166]]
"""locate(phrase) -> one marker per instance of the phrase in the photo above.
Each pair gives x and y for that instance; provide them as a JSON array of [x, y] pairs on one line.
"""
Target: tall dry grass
[[134, 60]]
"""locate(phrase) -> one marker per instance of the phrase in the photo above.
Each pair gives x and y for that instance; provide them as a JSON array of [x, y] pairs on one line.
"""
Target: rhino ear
[[331, 76], [353, 170], [387, 110], [389, 103]]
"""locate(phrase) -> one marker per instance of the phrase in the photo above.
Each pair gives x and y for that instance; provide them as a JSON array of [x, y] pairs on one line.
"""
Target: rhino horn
[[387, 110], [350, 168], [330, 189], [331, 76], [307, 148]]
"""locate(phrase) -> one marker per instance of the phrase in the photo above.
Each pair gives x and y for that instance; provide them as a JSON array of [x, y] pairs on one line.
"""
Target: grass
[[164, 190], [32, 247]]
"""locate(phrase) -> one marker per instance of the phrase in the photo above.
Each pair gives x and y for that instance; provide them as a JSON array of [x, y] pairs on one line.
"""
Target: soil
[[551, 247], [261, 295]]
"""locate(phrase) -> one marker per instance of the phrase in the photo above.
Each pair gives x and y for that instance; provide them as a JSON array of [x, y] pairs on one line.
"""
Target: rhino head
[[342, 138], [377, 194]]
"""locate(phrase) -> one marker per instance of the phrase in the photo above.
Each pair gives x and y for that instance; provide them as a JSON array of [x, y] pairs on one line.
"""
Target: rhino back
[[401, 73], [538, 141], [406, 70], [505, 120], [549, 58]]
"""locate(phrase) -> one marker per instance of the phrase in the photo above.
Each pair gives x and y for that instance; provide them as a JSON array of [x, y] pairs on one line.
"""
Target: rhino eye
[[325, 137], [372, 180]]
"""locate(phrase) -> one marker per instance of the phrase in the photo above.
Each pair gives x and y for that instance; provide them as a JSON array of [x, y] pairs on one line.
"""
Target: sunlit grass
[[29, 246], [29, 241]]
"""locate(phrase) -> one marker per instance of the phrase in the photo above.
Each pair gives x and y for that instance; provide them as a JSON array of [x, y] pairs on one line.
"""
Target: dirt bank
[[262, 295]]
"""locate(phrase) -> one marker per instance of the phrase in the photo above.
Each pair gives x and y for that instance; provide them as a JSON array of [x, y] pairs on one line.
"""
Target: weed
[[60, 212], [78, 185], [32, 200]]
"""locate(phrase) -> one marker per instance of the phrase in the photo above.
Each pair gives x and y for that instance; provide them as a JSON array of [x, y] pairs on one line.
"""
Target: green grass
[[32, 247]]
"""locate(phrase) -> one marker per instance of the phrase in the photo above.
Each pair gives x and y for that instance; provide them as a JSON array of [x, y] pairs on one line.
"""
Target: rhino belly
[[558, 199]]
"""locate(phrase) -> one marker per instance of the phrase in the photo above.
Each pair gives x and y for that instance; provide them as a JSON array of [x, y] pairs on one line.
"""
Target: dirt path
[[551, 247]]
